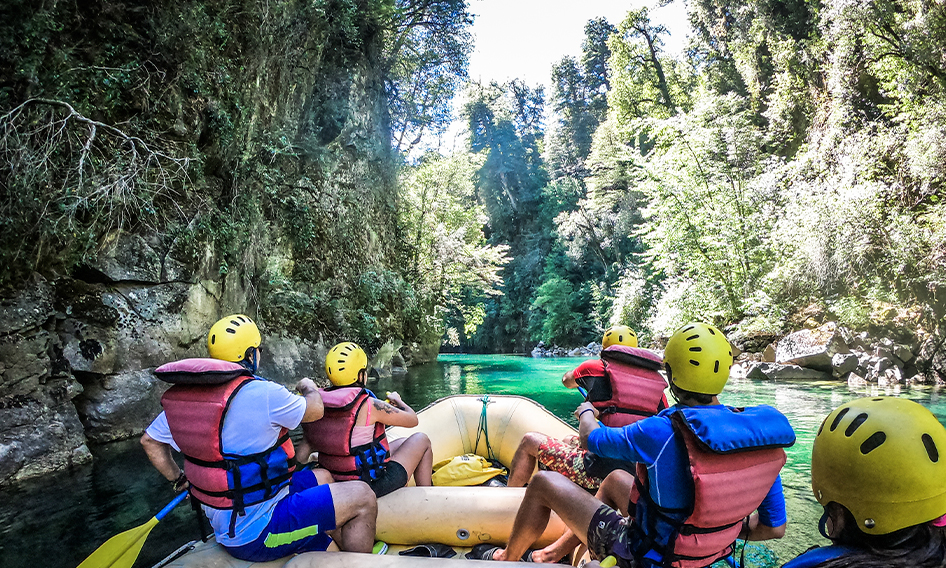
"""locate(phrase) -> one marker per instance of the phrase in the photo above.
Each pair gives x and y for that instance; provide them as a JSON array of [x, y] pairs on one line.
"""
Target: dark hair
[[696, 397], [919, 546]]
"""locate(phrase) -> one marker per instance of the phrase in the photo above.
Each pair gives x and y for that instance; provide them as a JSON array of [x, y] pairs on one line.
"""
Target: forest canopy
[[787, 167]]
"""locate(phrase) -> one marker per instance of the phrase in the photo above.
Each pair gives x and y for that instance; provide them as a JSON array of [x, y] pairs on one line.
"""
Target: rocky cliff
[[167, 163]]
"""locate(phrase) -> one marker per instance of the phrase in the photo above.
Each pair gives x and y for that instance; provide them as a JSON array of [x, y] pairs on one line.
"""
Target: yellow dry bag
[[468, 469]]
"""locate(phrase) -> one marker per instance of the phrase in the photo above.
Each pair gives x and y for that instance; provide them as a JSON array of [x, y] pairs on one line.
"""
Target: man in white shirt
[[306, 513]]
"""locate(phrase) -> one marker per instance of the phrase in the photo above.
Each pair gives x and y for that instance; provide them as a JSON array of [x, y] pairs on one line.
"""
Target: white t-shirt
[[258, 412]]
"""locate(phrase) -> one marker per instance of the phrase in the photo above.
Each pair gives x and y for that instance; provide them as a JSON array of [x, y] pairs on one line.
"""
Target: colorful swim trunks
[[567, 458]]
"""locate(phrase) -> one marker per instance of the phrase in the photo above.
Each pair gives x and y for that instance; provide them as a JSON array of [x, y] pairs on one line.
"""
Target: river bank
[[823, 353]]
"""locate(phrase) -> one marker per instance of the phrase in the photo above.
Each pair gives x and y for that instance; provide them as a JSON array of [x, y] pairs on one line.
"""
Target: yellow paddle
[[123, 549]]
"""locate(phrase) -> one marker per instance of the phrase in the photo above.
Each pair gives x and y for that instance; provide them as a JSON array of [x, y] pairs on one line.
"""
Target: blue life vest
[[817, 555]]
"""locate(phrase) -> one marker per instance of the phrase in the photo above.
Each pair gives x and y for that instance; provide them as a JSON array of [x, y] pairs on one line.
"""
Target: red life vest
[[634, 389], [331, 436], [196, 415], [730, 480]]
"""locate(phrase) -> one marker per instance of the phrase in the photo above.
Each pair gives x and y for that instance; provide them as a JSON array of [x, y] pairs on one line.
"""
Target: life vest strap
[[233, 459], [618, 410], [233, 493]]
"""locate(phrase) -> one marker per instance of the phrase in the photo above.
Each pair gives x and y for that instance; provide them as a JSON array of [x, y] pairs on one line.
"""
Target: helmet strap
[[673, 390], [823, 525]]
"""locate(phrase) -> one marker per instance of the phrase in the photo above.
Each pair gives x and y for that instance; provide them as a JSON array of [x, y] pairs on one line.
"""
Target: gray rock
[[768, 354], [24, 362], [843, 363], [26, 309], [286, 360], [916, 379], [811, 348], [777, 372], [903, 353], [115, 407], [128, 257], [889, 377], [40, 432], [855, 380]]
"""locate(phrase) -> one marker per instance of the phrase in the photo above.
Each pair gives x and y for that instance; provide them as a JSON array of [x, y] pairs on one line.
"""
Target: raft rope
[[482, 429]]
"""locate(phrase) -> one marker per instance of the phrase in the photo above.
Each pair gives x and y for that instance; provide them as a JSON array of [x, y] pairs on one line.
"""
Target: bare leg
[[415, 455], [548, 491], [523, 461], [615, 491], [303, 451], [323, 476], [356, 513]]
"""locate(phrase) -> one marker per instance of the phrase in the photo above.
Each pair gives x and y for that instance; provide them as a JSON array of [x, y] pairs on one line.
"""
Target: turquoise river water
[[56, 522]]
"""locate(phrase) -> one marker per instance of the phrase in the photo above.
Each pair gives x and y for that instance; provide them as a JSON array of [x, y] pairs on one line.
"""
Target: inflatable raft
[[459, 517]]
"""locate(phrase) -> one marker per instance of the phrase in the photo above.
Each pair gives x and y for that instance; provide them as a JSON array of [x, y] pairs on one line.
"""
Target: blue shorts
[[298, 525]]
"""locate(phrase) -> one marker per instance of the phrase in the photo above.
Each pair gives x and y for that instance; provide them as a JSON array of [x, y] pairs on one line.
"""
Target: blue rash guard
[[653, 443]]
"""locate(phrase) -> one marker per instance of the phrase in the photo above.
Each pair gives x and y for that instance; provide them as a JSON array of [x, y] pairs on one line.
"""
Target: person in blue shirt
[[706, 473], [878, 466]]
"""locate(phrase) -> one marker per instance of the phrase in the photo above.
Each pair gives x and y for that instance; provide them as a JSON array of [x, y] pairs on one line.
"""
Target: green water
[[57, 521], [804, 403]]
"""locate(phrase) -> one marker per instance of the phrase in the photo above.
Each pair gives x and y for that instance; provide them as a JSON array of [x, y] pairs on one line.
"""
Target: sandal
[[482, 552], [430, 551], [527, 557]]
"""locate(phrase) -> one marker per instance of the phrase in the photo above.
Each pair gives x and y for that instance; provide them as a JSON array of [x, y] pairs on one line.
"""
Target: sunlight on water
[[59, 520], [804, 403]]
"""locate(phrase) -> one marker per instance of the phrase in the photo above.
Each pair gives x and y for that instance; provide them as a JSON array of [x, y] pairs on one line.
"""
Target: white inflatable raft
[[460, 517]]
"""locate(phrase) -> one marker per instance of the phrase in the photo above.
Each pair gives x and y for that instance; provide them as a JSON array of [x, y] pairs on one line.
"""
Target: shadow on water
[[59, 520]]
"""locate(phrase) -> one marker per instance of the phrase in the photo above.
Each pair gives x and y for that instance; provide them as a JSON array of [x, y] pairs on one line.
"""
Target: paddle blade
[[121, 550]]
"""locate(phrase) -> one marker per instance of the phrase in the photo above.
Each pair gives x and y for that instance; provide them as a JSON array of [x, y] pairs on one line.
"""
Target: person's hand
[[394, 399], [583, 407], [306, 385]]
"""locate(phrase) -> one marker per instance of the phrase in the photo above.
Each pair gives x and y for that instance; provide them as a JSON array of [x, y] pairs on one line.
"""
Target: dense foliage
[[251, 141], [788, 166]]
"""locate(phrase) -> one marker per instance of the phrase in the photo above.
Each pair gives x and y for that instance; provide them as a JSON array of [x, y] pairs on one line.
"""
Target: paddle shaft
[[167, 508]]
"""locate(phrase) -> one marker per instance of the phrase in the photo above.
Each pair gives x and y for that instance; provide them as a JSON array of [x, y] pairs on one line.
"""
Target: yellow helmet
[[619, 335], [884, 459], [698, 357], [230, 337], [344, 362]]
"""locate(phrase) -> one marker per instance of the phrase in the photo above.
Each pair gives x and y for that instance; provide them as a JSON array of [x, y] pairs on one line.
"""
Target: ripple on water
[[59, 520]]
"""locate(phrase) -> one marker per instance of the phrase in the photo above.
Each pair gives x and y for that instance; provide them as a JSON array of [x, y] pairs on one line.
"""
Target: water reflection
[[59, 520]]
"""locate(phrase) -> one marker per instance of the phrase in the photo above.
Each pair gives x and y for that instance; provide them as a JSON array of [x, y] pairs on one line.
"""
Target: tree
[[442, 224], [427, 48], [646, 82]]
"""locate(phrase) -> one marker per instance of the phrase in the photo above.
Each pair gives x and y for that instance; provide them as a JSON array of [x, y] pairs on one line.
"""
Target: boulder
[[931, 360], [768, 354], [902, 352], [811, 348], [855, 381], [41, 432], [115, 407], [751, 342], [843, 363], [777, 372]]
